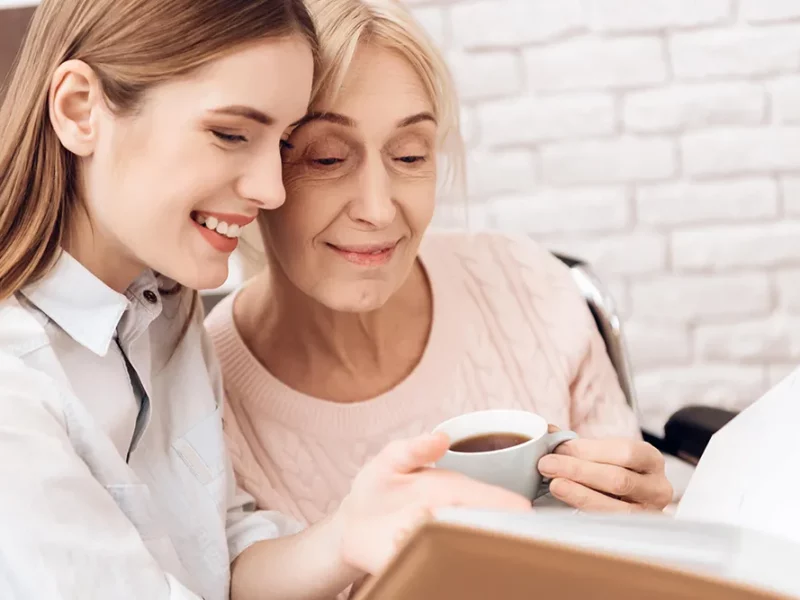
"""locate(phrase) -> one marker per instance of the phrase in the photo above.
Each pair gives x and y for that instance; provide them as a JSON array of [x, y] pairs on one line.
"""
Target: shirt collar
[[82, 305]]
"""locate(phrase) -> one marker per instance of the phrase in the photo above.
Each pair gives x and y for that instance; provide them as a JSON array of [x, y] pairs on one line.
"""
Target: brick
[[512, 23], [790, 190], [696, 202], [504, 172], [433, 21], [737, 151], [559, 211], [764, 340], [777, 373], [693, 298], [763, 245], [760, 11], [785, 97], [635, 15], [622, 254], [743, 52], [486, 74], [787, 283], [531, 120], [691, 106], [625, 159], [651, 345], [596, 63], [664, 391]]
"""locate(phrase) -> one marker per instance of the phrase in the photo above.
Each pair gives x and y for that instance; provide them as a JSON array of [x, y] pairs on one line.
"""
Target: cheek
[[418, 201], [310, 207]]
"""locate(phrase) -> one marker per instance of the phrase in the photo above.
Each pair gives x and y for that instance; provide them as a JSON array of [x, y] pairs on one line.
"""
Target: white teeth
[[221, 227]]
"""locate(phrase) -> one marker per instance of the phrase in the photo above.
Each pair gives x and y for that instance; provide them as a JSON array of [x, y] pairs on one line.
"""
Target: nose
[[374, 205], [262, 183]]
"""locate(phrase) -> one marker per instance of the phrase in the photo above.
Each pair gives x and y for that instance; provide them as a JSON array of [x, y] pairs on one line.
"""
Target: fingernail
[[548, 465]]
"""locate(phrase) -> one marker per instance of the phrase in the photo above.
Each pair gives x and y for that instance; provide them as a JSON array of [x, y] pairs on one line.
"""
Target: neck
[[300, 340], [104, 260]]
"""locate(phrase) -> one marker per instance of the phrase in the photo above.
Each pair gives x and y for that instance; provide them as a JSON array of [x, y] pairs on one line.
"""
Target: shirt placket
[[145, 307]]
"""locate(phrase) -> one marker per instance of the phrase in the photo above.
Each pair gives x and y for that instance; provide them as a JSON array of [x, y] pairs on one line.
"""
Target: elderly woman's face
[[360, 177]]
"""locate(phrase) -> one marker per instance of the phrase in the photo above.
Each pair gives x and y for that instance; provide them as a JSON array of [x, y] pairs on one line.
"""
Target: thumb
[[406, 456]]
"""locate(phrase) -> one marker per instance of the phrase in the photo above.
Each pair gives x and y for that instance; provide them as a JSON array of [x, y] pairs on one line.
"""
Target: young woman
[[136, 138], [363, 328]]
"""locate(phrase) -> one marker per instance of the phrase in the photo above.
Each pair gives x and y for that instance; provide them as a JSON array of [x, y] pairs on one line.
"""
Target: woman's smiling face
[[360, 178]]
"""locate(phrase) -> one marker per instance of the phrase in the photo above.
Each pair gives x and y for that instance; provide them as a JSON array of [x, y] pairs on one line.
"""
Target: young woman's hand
[[398, 490], [614, 475]]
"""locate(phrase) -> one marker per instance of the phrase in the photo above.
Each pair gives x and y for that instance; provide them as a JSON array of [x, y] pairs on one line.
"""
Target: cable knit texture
[[510, 330]]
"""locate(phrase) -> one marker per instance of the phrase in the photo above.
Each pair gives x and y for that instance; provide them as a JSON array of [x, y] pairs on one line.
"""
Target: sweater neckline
[[260, 394]]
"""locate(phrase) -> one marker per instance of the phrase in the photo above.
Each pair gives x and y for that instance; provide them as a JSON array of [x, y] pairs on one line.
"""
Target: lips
[[220, 230], [366, 255], [364, 248]]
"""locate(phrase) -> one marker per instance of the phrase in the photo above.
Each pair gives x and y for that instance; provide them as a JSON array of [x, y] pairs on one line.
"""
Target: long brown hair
[[131, 45]]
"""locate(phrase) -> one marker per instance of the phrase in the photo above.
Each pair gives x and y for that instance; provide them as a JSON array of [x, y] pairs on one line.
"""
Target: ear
[[75, 101]]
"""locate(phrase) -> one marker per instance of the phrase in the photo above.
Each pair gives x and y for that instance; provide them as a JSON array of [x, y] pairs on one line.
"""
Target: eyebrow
[[247, 112], [338, 119]]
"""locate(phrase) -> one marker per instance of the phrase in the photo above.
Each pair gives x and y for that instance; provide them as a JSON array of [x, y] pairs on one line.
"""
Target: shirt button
[[150, 296]]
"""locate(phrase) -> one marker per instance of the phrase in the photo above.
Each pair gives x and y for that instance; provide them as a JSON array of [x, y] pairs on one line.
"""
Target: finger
[[440, 488], [585, 499], [608, 479], [632, 454], [553, 429], [406, 456]]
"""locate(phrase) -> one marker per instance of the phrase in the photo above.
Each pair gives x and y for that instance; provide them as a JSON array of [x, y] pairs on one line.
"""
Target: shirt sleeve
[[62, 535], [245, 525]]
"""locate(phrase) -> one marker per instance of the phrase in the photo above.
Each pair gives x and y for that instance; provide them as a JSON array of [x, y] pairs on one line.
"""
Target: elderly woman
[[364, 327]]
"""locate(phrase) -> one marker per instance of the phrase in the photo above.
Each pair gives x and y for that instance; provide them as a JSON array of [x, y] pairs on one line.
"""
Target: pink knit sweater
[[509, 331]]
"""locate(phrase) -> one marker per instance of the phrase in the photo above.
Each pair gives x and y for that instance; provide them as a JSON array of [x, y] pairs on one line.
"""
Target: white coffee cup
[[513, 468]]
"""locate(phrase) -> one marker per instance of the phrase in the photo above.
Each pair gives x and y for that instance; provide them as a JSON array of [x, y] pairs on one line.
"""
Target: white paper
[[749, 474]]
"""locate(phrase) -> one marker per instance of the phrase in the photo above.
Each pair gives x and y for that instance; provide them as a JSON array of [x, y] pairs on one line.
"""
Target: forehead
[[380, 84], [273, 76]]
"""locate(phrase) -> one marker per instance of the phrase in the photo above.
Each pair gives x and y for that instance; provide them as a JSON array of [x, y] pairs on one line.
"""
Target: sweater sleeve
[[598, 407]]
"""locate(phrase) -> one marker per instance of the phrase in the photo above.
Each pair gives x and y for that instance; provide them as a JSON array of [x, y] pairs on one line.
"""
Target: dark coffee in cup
[[487, 442]]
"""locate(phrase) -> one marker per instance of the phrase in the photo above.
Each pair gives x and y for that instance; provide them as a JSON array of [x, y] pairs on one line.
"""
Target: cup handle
[[553, 441]]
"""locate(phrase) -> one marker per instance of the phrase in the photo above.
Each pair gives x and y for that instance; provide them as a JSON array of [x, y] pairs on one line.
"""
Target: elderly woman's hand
[[615, 475]]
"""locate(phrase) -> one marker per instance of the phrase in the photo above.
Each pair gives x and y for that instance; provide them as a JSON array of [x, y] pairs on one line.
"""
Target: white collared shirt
[[78, 521]]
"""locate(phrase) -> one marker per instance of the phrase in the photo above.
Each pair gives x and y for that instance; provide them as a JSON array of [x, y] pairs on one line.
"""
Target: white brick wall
[[660, 139]]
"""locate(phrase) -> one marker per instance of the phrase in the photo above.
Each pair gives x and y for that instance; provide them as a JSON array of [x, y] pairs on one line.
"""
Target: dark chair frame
[[688, 431]]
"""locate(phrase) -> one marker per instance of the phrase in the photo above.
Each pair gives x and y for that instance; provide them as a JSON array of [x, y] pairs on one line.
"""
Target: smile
[[221, 231], [370, 255], [231, 230]]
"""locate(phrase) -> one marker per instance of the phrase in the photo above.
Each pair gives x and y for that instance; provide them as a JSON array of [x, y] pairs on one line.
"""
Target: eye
[[328, 162], [410, 160], [285, 145], [229, 138]]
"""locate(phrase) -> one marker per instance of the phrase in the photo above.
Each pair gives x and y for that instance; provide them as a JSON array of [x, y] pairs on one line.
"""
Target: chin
[[202, 277]]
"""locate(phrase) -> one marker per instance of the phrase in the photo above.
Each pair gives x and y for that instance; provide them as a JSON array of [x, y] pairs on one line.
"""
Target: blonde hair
[[132, 45], [342, 25]]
